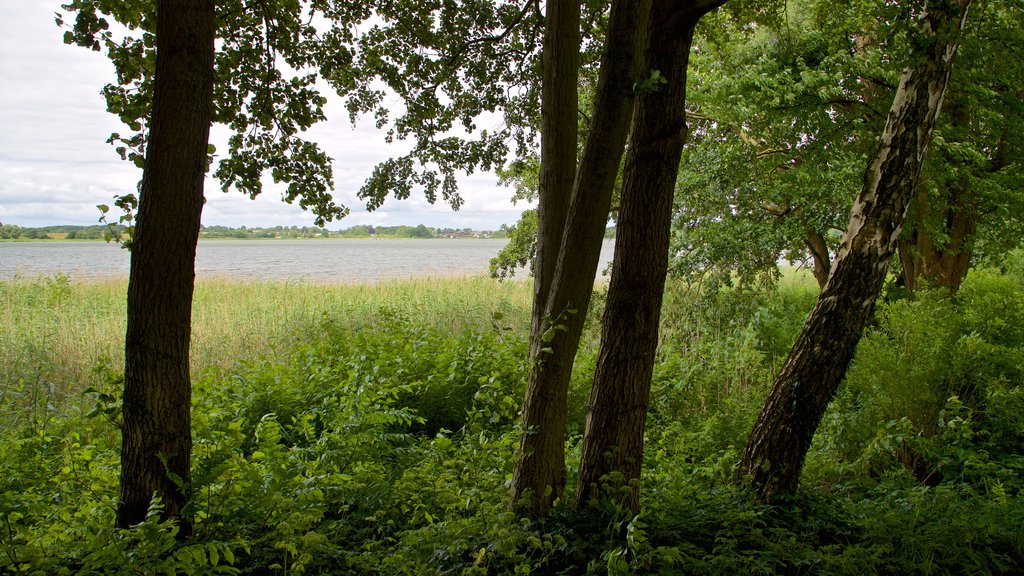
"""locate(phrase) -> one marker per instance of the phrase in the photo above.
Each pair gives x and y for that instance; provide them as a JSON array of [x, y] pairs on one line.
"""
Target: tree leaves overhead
[[450, 64], [782, 125], [979, 140], [264, 90], [426, 72]]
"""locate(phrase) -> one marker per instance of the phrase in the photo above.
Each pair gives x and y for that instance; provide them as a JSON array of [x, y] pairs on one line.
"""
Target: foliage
[[784, 114], [977, 149], [935, 389], [267, 109], [781, 127], [13, 232], [378, 437], [520, 250]]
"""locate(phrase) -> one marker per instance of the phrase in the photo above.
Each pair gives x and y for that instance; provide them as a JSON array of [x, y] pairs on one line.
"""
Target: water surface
[[340, 260]]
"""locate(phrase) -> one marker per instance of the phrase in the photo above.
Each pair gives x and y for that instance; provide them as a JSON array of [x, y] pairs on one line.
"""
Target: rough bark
[[940, 261], [782, 434], [559, 138], [819, 254], [539, 476], [156, 434], [617, 409]]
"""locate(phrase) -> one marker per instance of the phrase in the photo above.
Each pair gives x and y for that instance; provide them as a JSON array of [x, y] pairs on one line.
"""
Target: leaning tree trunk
[[782, 435], [156, 435], [539, 476], [617, 410]]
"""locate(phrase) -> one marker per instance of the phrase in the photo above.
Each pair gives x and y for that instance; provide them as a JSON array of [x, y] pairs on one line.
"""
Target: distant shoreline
[[98, 232], [223, 238]]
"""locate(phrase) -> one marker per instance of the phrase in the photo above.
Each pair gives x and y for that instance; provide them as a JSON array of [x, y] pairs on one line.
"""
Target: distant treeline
[[99, 232], [365, 231], [94, 232]]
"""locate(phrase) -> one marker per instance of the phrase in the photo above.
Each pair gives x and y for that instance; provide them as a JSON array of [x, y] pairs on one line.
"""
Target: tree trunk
[[617, 410], [819, 254], [939, 263], [782, 435], [539, 476], [559, 138], [156, 436]]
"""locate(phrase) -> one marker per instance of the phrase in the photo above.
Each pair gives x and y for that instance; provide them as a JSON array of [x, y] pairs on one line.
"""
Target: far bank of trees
[[359, 231], [102, 232], [14, 232]]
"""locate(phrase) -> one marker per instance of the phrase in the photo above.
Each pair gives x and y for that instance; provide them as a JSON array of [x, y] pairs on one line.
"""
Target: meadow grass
[[370, 444], [54, 331]]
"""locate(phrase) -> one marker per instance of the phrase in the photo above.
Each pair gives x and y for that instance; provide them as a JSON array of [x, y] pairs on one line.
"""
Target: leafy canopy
[[428, 72]]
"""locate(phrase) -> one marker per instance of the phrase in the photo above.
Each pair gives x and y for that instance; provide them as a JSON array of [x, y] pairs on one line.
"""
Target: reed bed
[[54, 331]]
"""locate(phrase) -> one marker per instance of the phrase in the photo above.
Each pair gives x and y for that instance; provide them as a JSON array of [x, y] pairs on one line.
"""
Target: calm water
[[316, 260]]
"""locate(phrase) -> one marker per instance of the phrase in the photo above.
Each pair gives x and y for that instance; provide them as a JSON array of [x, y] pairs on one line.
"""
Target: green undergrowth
[[378, 437]]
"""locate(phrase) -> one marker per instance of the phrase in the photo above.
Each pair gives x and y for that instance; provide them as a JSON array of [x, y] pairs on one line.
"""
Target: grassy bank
[[371, 430], [53, 331]]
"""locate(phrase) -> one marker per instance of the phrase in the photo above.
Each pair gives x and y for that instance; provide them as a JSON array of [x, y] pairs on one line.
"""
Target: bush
[[385, 445], [935, 388]]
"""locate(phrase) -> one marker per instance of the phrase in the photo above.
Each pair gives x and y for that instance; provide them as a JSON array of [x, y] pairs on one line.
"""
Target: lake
[[340, 260]]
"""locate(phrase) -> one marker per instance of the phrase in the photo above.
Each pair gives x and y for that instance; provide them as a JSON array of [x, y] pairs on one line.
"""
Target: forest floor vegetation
[[371, 429]]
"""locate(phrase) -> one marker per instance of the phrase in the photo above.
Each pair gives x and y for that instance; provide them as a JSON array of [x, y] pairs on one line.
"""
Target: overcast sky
[[55, 164]]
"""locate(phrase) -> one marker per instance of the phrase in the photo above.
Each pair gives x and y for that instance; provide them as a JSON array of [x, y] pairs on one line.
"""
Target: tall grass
[[54, 331], [378, 436]]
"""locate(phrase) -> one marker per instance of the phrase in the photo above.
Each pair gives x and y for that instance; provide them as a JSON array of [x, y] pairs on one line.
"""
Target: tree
[[969, 202], [156, 432], [785, 116], [170, 86], [449, 63], [540, 466], [539, 476], [782, 434], [266, 109], [772, 174], [617, 410]]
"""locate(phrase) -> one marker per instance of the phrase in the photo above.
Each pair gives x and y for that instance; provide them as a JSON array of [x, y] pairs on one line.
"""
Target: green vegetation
[[12, 232], [387, 437], [98, 232], [371, 429]]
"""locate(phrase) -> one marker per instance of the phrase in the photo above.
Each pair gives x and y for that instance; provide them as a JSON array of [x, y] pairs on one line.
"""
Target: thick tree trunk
[[156, 436], [559, 138], [539, 476], [782, 435], [945, 263], [941, 261], [617, 410]]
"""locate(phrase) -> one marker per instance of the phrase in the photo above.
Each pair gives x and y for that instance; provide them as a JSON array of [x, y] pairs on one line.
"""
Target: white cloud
[[55, 165]]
